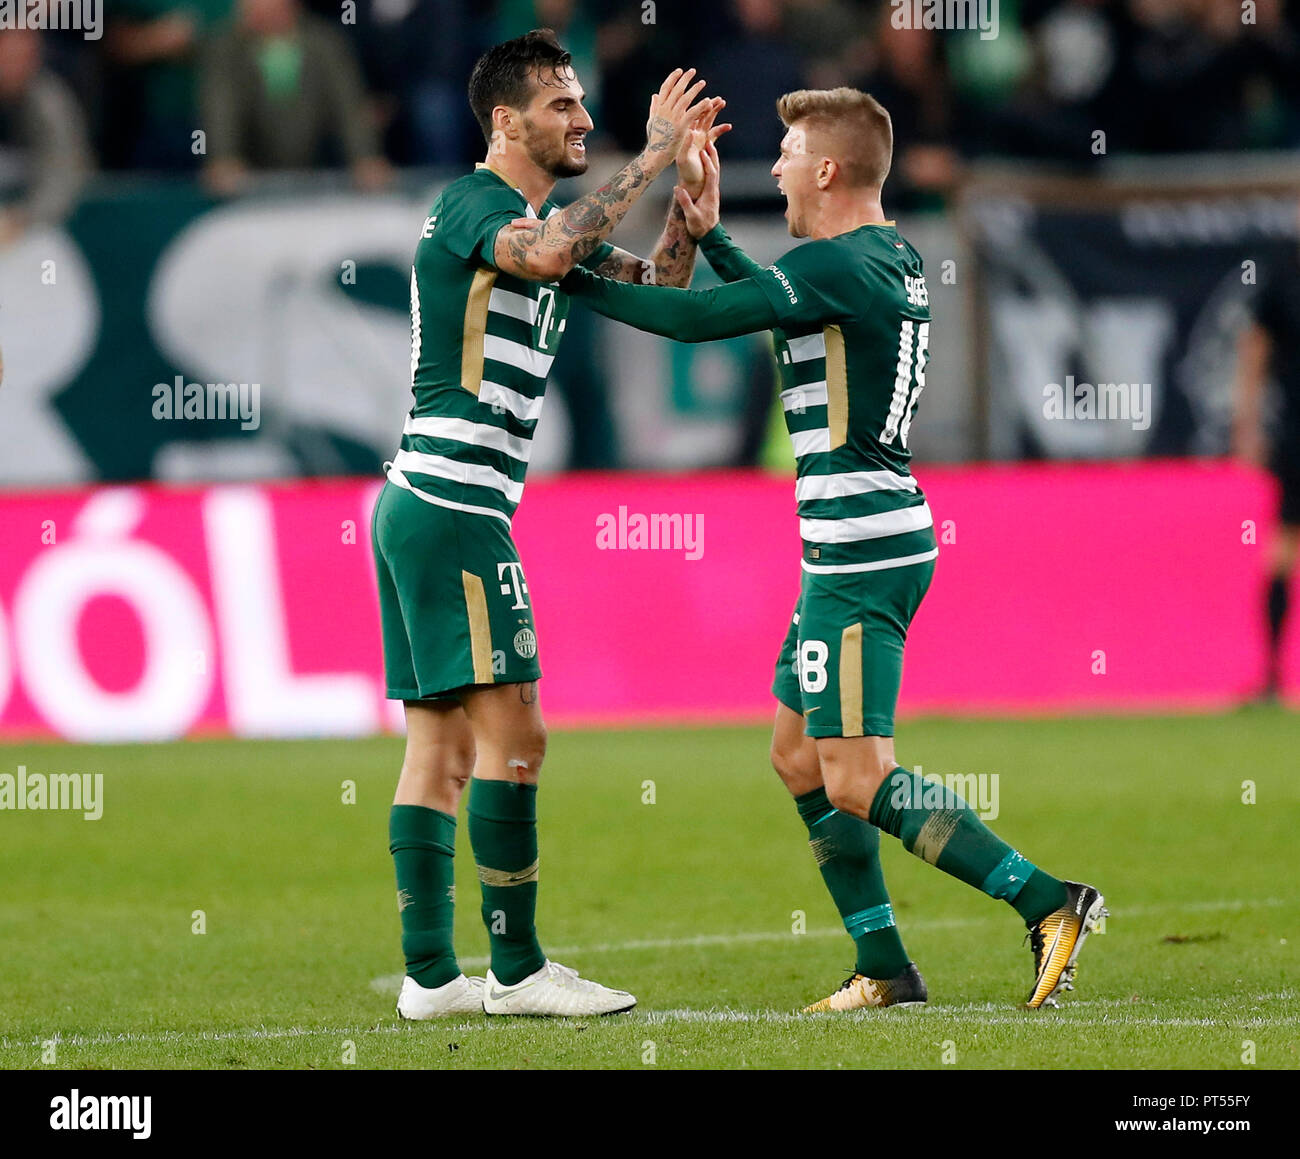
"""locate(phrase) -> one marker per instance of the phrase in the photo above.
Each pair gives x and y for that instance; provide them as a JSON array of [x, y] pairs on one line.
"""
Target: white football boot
[[556, 991], [459, 996]]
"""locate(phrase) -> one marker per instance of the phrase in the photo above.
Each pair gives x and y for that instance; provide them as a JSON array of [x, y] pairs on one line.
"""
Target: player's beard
[[551, 155]]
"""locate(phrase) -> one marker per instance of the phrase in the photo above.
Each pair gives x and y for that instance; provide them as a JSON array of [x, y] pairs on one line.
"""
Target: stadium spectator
[[1074, 84], [752, 69], [1200, 78], [44, 154], [414, 57], [908, 78], [634, 57], [1269, 349], [280, 89], [154, 45]]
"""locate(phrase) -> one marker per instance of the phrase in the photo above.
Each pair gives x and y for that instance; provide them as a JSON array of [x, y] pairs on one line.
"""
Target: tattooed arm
[[671, 264], [673, 261], [546, 252]]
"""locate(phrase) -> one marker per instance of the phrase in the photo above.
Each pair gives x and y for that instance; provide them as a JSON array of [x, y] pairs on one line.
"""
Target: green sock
[[503, 832], [847, 850], [423, 844], [936, 825]]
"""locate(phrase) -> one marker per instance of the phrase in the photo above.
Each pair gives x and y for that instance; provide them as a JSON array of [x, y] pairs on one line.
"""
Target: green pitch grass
[[693, 902]]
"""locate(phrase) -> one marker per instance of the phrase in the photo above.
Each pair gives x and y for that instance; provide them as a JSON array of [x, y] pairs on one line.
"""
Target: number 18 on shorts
[[841, 664]]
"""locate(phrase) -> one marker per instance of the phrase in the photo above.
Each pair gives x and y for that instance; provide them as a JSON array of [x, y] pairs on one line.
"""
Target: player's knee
[[877, 769], [853, 788], [450, 765], [528, 752], [839, 793], [457, 777], [796, 766]]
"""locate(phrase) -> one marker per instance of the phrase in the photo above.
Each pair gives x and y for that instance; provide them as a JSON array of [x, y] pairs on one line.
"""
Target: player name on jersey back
[[853, 342]]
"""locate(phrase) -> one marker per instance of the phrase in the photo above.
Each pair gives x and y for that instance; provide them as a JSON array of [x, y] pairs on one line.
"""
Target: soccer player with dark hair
[[851, 321], [460, 647], [1269, 346]]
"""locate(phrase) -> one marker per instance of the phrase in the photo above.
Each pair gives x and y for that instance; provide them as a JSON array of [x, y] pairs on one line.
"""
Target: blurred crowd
[[224, 88]]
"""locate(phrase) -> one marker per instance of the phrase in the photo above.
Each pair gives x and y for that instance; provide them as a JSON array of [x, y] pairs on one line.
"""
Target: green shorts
[[841, 664], [453, 603]]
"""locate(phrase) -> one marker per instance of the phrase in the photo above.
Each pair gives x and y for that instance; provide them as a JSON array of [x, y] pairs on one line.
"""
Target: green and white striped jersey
[[482, 343], [852, 344]]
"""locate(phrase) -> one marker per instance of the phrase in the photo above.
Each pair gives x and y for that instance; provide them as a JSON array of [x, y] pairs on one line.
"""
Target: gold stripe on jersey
[[480, 635], [495, 170], [837, 387], [851, 680], [471, 345]]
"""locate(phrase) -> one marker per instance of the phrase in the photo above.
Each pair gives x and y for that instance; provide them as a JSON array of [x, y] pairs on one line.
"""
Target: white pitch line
[[392, 983], [984, 1013], [669, 1017], [979, 1013]]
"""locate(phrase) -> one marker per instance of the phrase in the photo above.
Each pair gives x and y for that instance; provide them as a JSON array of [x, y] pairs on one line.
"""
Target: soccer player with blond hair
[[850, 316]]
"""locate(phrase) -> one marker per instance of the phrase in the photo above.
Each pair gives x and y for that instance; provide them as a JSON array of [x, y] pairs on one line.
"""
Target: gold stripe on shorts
[[480, 635], [471, 339], [851, 680], [837, 387]]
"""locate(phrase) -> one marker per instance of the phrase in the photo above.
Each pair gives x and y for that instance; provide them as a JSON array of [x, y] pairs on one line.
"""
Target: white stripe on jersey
[[813, 394], [866, 526], [516, 354], [399, 480], [527, 410], [479, 474], [513, 305], [877, 565], [850, 483], [810, 442], [808, 347], [475, 434]]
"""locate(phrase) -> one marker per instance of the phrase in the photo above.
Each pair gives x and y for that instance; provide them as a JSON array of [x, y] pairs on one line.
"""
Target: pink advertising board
[[149, 613]]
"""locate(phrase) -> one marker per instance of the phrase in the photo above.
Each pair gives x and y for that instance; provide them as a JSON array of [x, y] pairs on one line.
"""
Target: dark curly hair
[[504, 74]]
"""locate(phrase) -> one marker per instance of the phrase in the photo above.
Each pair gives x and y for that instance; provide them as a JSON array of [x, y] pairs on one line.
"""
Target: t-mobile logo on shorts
[[515, 585]]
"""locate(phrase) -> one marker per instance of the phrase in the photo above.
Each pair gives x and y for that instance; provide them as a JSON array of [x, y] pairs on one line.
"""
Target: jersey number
[[909, 380], [811, 667], [545, 317]]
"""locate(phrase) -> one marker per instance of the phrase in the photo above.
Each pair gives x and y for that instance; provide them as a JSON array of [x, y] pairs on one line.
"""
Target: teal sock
[[936, 825], [847, 850], [423, 844], [503, 833]]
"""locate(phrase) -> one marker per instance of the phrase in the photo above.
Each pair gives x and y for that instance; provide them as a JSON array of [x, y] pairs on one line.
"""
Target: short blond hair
[[853, 123]]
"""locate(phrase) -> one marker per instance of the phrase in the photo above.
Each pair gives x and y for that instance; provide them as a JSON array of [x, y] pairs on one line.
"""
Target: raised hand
[[703, 212], [673, 110], [690, 168]]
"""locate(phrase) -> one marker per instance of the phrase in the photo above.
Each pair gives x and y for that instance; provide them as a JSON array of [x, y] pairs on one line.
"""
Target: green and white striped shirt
[[852, 344], [482, 344]]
